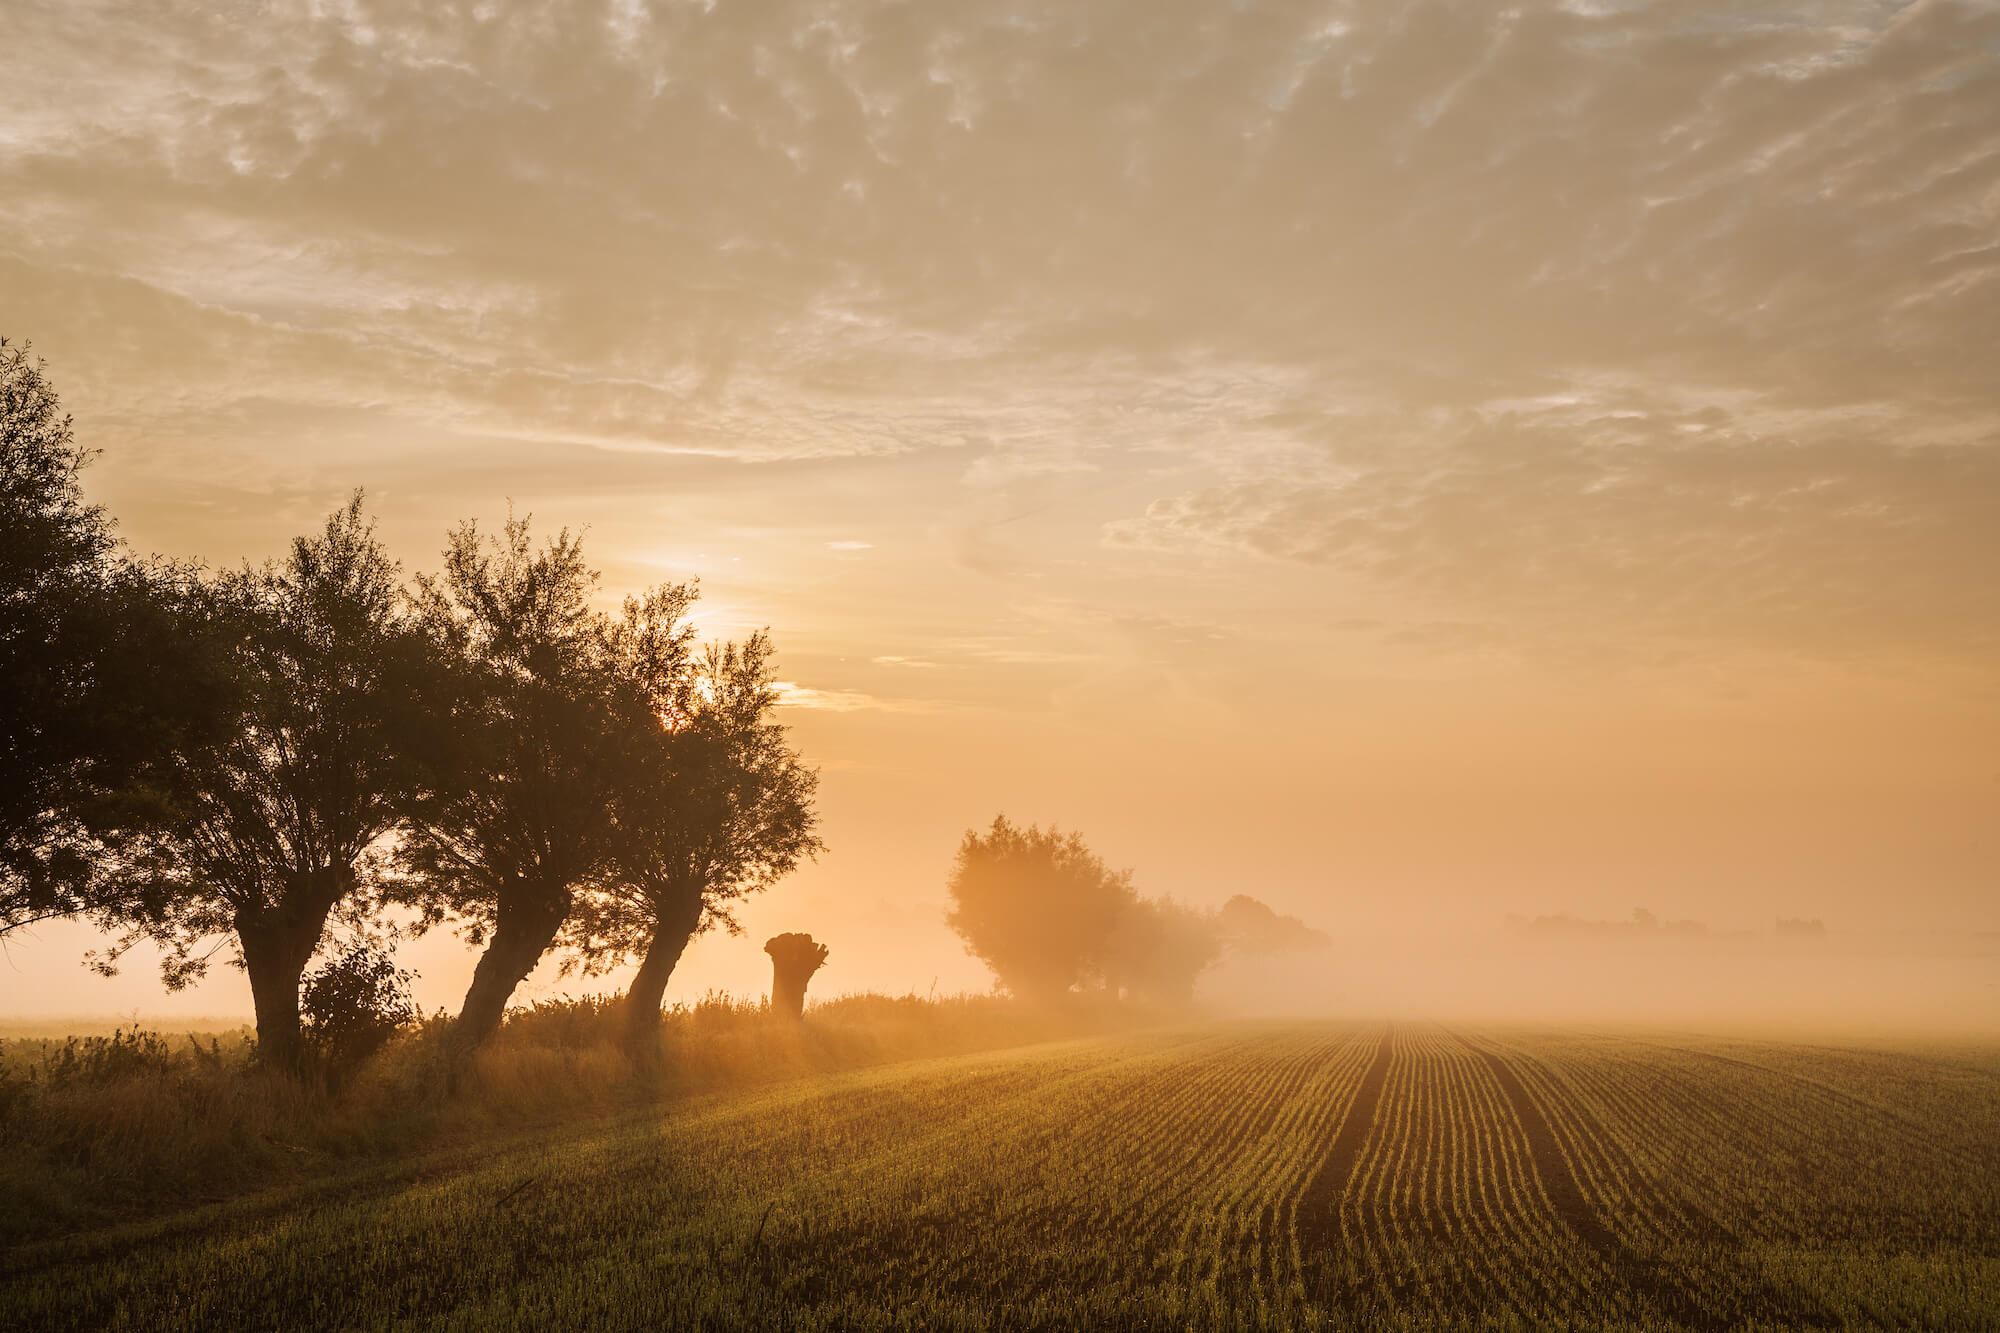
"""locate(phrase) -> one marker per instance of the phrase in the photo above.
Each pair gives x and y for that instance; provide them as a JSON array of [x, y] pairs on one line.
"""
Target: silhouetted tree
[[1253, 927], [276, 828], [1159, 948], [1036, 906], [546, 723], [717, 806], [794, 959], [98, 683]]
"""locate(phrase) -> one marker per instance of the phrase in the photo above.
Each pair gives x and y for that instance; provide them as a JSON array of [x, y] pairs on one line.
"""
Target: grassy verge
[[111, 1129]]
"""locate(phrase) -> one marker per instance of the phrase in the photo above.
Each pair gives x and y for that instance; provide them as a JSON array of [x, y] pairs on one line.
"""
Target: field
[[1248, 1175]]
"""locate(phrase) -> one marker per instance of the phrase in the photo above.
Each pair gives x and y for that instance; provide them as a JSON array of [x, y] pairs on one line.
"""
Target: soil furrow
[[1317, 1223], [1648, 1278]]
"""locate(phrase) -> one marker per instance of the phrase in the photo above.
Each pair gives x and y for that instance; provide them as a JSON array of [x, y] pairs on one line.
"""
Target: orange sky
[[1413, 464]]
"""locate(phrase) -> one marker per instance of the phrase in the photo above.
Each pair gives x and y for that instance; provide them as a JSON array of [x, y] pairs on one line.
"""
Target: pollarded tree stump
[[794, 959]]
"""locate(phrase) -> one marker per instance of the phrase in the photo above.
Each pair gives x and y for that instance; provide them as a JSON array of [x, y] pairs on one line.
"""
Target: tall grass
[[103, 1128]]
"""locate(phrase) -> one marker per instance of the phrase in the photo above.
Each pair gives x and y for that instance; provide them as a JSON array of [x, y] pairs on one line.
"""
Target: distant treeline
[[1641, 922], [232, 761]]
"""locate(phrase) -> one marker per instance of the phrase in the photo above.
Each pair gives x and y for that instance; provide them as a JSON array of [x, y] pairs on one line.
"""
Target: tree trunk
[[794, 959], [521, 936], [649, 985], [275, 954]]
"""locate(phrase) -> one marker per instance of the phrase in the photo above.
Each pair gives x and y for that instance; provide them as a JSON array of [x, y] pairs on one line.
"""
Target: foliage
[[551, 702], [351, 1005], [216, 764], [277, 827], [1037, 906], [50, 526], [1252, 927], [98, 1061], [718, 806], [1046, 914], [1158, 948], [519, 788], [53, 551], [101, 687]]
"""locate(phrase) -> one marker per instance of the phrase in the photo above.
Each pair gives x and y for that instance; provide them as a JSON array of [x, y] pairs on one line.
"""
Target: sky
[[1413, 463]]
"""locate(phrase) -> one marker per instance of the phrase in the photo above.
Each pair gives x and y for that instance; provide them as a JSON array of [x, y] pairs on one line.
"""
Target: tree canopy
[[227, 764], [281, 823], [102, 685], [551, 709], [717, 806], [1159, 948], [1037, 906]]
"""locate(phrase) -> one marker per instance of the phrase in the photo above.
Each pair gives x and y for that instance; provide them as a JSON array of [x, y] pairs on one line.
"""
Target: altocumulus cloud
[[1677, 318]]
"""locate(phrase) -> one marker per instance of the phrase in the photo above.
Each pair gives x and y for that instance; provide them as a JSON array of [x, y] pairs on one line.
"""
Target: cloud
[[1636, 521], [1675, 315], [791, 694], [672, 197]]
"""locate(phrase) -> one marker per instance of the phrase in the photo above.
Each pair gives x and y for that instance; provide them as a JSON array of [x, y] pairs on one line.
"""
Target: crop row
[[1248, 1175], [1772, 1191]]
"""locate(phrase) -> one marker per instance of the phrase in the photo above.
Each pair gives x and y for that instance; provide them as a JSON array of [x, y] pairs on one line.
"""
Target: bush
[[350, 1006], [97, 1061]]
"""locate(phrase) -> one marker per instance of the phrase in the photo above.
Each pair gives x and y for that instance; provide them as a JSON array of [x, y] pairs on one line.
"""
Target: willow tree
[[276, 827], [1037, 906], [101, 687], [553, 703], [1159, 948], [795, 957], [720, 807]]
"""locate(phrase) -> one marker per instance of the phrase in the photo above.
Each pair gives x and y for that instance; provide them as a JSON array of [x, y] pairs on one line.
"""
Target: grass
[[1248, 1175], [59, 1029], [101, 1129]]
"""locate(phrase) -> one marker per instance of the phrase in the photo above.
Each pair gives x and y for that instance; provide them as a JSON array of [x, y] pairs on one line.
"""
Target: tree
[[1159, 948], [101, 684], [719, 806], [1252, 927], [1036, 906], [794, 959], [279, 826], [546, 722], [54, 550]]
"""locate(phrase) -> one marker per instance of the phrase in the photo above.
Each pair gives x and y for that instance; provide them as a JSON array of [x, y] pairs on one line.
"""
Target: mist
[[1909, 985]]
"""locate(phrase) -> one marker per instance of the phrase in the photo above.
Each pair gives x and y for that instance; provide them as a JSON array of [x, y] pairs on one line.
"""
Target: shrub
[[350, 1006]]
